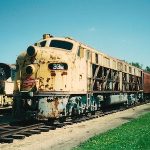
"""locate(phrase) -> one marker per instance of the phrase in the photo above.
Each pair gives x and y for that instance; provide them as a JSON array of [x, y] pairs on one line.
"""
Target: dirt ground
[[72, 135]]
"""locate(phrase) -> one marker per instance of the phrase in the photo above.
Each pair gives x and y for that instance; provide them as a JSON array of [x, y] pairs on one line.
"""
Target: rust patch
[[53, 74], [41, 87], [56, 103], [51, 88], [42, 61], [48, 79], [64, 73]]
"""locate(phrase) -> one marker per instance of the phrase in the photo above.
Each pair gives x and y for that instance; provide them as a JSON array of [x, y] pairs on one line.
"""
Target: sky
[[119, 28]]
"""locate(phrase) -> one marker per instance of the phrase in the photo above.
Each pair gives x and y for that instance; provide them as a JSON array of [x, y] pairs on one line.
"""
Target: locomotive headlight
[[30, 69], [31, 51]]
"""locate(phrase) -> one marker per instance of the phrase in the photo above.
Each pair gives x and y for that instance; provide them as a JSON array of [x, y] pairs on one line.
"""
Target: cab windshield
[[61, 44]]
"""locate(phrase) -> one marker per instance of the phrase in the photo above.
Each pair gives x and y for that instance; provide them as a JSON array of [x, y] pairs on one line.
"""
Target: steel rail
[[10, 132]]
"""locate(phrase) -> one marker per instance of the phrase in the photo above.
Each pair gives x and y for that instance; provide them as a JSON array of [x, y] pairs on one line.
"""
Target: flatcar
[[7, 75], [58, 77]]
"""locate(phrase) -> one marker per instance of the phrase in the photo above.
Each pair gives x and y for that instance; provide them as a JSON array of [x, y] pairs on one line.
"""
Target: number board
[[58, 66]]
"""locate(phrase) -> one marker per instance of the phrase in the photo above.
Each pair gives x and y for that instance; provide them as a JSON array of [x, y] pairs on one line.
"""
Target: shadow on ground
[[6, 117], [127, 118]]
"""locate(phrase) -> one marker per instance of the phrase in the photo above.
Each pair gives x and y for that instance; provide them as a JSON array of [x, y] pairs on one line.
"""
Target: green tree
[[147, 68], [136, 64]]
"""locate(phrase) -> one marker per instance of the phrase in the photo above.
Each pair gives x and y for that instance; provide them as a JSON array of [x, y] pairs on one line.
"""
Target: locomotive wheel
[[92, 112], [74, 113], [62, 119], [51, 121]]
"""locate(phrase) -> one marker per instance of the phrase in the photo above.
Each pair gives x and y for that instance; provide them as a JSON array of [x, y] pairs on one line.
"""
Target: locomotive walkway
[[69, 136]]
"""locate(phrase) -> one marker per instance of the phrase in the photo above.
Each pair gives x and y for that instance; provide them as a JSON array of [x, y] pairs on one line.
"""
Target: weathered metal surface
[[52, 107], [115, 99]]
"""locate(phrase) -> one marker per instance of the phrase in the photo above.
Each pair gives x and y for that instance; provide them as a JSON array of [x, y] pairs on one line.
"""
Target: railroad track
[[5, 110], [9, 132]]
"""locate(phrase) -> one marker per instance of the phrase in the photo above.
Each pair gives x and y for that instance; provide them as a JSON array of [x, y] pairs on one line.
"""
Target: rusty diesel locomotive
[[59, 77]]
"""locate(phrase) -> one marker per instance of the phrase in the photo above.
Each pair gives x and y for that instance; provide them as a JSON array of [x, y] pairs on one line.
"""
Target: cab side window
[[96, 58], [80, 52], [87, 55]]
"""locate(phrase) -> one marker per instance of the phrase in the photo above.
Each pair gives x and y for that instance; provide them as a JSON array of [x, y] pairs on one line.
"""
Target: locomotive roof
[[70, 39]]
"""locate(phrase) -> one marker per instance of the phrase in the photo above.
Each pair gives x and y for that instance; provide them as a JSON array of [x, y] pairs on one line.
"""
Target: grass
[[134, 135]]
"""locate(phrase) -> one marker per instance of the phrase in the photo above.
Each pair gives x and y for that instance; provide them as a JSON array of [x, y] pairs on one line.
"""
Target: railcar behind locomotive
[[7, 75], [146, 86], [59, 77]]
